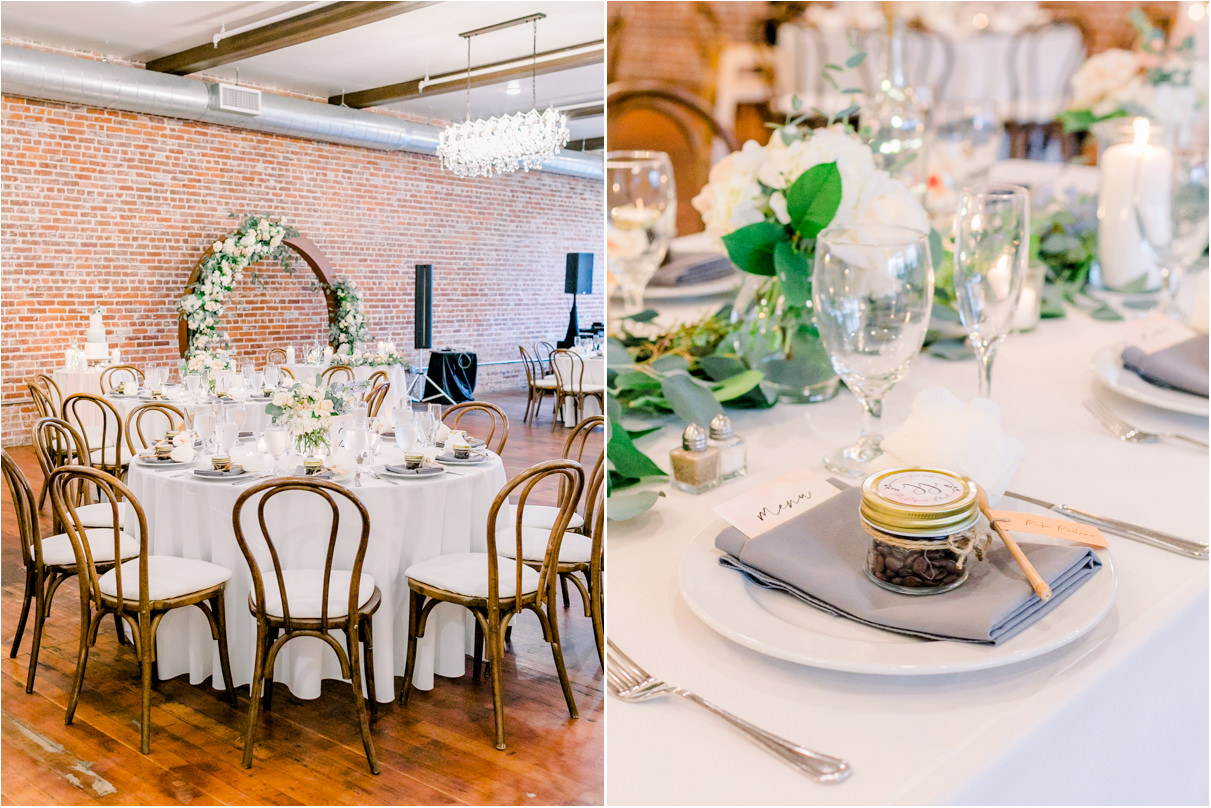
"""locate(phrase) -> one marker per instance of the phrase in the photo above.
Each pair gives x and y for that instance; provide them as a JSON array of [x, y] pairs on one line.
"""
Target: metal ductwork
[[55, 77]]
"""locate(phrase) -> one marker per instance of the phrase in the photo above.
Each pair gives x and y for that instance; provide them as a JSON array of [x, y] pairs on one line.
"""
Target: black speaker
[[424, 307], [579, 277]]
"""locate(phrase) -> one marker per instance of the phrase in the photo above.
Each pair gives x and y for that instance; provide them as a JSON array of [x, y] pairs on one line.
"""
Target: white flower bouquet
[[307, 410]]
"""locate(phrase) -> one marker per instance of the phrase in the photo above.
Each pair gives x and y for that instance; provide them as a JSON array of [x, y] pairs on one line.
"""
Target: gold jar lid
[[919, 501]]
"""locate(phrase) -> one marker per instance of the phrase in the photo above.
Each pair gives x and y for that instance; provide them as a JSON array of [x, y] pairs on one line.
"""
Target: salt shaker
[[695, 464], [733, 462]]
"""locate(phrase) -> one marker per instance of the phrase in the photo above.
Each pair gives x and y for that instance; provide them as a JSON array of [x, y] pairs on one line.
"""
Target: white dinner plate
[[144, 460], [427, 473], [717, 286], [1109, 370], [230, 478], [451, 460], [781, 626]]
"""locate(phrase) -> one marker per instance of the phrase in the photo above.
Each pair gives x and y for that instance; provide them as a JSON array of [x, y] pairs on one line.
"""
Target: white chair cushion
[[546, 384], [92, 435], [106, 455], [57, 549], [305, 590], [589, 388], [575, 548], [467, 574], [100, 514], [167, 577], [543, 516]]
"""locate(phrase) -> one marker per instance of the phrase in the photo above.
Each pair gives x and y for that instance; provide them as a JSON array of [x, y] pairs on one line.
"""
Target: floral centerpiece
[[198, 360], [1156, 80], [767, 204], [307, 411], [384, 355]]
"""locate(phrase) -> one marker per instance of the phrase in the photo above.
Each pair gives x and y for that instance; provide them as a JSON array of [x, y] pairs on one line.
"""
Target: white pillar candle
[[1133, 174], [327, 354], [68, 358], [115, 356], [289, 354]]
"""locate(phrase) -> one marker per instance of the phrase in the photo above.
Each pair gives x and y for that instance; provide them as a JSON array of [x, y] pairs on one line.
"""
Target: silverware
[[1166, 541], [629, 682], [378, 476], [251, 479], [1126, 432]]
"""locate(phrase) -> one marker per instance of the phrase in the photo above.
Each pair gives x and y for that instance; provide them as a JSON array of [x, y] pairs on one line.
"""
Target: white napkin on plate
[[341, 459], [183, 453], [443, 433], [253, 461], [943, 432], [430, 453]]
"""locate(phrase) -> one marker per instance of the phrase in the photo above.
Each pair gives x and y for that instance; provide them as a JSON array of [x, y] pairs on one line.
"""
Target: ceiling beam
[[496, 73], [591, 111], [331, 19]]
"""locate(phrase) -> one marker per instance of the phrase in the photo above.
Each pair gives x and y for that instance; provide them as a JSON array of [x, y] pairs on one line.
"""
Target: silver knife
[[1166, 541]]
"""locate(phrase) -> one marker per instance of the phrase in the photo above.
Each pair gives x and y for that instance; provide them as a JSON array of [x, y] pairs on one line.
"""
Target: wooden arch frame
[[306, 249]]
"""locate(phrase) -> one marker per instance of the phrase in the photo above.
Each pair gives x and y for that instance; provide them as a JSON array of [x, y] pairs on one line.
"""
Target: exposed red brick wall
[[115, 208]]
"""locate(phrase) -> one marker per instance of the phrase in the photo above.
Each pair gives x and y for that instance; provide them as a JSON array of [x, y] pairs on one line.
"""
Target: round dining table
[[411, 520]]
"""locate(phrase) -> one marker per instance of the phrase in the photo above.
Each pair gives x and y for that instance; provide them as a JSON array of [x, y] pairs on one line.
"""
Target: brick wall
[[115, 208]]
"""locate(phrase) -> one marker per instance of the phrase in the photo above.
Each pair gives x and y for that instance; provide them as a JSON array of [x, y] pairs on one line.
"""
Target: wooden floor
[[437, 750]]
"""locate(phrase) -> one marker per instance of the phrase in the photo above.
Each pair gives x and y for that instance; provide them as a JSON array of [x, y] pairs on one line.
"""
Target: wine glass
[[193, 385], [426, 427], [271, 375], [966, 143], [355, 441], [374, 435], [1175, 227], [641, 205], [406, 436], [277, 440], [225, 434], [203, 423], [992, 248], [872, 289]]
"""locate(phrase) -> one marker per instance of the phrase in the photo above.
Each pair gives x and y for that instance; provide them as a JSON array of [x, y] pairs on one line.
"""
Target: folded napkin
[[443, 433], [182, 454], [1179, 367], [252, 461], [691, 268], [234, 471], [819, 557]]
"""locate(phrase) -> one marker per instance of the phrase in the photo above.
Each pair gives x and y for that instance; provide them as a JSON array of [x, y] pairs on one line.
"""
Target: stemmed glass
[[426, 427], [641, 203], [966, 143], [872, 289], [277, 441], [374, 435], [1176, 227], [271, 375], [992, 248], [203, 423], [193, 385], [225, 434]]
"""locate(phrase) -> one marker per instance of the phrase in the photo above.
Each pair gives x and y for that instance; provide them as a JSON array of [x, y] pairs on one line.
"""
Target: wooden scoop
[[1040, 586]]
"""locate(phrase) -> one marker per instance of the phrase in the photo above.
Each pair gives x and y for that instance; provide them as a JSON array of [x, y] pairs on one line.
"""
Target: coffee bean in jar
[[921, 523]]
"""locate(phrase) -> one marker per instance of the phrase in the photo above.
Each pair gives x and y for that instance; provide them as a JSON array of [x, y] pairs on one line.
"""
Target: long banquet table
[[410, 521], [1119, 716]]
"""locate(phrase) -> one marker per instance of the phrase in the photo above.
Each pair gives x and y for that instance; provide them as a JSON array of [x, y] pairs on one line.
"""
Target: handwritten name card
[[1050, 526], [762, 509], [1156, 332]]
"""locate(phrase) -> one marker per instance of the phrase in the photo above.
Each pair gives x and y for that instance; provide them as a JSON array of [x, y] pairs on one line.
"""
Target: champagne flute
[[1175, 227], [992, 248], [641, 203], [872, 289]]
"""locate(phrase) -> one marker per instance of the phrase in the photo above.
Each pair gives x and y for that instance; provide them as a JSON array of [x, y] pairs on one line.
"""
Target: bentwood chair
[[495, 589], [57, 443], [537, 384], [574, 448], [290, 602], [375, 397], [140, 591], [275, 355], [542, 352], [49, 561], [495, 415], [376, 378], [113, 376], [42, 402], [569, 383], [337, 374], [110, 452], [286, 372], [52, 392], [163, 417]]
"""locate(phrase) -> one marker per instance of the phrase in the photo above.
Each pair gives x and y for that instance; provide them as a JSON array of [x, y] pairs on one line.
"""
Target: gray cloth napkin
[[691, 268], [818, 557], [1179, 367], [234, 471]]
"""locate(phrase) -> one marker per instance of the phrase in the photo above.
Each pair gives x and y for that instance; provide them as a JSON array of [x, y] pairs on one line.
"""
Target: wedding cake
[[95, 346]]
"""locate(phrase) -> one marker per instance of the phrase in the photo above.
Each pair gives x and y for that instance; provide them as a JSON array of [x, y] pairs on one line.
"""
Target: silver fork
[[629, 682], [1125, 431]]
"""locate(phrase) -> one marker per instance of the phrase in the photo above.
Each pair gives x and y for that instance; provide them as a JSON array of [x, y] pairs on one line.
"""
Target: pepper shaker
[[733, 451], [695, 464]]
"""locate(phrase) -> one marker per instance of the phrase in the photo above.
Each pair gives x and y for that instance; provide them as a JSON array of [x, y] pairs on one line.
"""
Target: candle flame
[[1141, 131]]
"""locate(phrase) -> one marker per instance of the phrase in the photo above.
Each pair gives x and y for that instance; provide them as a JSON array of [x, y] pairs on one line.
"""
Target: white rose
[[1101, 78], [217, 246], [229, 245], [777, 203], [732, 198], [888, 201], [281, 398]]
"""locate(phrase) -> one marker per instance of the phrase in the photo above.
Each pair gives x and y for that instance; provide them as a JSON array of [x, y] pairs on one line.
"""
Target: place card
[[1051, 526], [1156, 332], [762, 509]]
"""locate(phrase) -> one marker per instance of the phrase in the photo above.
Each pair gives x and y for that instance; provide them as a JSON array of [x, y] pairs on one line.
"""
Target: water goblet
[[277, 441], [355, 441], [271, 375], [424, 426], [992, 249], [1174, 224], [193, 385], [406, 437], [641, 205], [203, 423], [225, 434], [374, 435], [872, 289]]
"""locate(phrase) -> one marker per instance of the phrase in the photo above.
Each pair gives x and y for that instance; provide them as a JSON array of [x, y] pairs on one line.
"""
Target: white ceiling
[[401, 48]]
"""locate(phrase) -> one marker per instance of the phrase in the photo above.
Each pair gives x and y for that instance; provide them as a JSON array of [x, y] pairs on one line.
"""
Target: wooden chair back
[[328, 493], [52, 391], [527, 362], [79, 406], [57, 443], [575, 446], [25, 510], [375, 398], [286, 372], [499, 422], [376, 378], [275, 355], [42, 402], [542, 353], [114, 375], [568, 479], [569, 377], [135, 439], [337, 373]]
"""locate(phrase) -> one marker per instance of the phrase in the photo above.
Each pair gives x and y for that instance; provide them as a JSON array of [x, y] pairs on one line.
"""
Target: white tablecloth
[[594, 373], [1119, 716], [410, 522]]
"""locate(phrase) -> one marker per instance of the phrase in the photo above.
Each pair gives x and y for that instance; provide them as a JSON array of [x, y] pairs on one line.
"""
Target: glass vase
[[781, 341]]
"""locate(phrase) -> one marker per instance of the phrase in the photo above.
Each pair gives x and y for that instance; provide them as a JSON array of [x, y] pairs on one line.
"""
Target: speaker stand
[[573, 328], [425, 381]]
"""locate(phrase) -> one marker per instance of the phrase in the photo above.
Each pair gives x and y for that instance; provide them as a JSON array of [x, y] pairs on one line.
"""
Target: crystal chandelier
[[505, 143]]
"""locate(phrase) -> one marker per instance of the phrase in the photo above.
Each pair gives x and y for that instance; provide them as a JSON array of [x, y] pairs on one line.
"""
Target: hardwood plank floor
[[439, 750]]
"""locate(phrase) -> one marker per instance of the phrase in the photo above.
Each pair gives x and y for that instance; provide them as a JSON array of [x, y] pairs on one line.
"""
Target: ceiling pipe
[[56, 77]]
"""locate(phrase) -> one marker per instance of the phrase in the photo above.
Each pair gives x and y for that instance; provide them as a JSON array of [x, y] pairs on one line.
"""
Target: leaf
[[831, 66], [794, 273], [645, 316], [855, 60], [636, 380], [1139, 284], [851, 91], [690, 399], [627, 506], [617, 356], [813, 199], [751, 248], [636, 434], [627, 459], [950, 349], [936, 250], [669, 363], [737, 385], [718, 367]]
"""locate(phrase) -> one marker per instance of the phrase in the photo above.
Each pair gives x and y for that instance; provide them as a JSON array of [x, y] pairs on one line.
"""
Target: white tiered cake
[[95, 346]]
